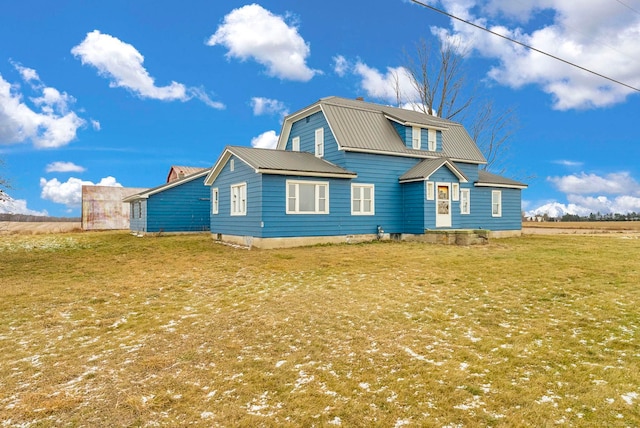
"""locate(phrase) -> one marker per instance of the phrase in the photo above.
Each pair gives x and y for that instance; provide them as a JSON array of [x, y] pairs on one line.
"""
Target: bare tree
[[442, 90], [4, 182]]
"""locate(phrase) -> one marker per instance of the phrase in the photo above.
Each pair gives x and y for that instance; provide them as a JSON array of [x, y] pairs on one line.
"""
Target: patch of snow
[[629, 397], [335, 421]]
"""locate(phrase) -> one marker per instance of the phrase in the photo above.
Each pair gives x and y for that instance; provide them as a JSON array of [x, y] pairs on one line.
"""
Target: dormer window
[[415, 138], [295, 144], [432, 140]]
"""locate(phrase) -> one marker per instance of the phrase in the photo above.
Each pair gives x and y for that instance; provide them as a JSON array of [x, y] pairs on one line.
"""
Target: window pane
[[307, 202], [367, 206]]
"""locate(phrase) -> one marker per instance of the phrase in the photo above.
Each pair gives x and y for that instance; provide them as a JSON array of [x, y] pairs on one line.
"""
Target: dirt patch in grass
[[106, 329]]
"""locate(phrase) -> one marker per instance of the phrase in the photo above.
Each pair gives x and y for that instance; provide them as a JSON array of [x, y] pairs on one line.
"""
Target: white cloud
[[49, 122], [268, 106], [341, 65], [266, 140], [393, 86], [590, 193], [69, 193], [600, 36], [95, 124], [614, 183], [122, 63], [202, 95], [8, 205], [254, 32], [64, 167], [568, 163]]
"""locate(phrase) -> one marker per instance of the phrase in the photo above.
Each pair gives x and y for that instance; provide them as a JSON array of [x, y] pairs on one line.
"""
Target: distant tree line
[[36, 218], [632, 216]]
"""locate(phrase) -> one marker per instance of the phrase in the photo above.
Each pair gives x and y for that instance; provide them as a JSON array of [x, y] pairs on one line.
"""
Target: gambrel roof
[[367, 127], [270, 161]]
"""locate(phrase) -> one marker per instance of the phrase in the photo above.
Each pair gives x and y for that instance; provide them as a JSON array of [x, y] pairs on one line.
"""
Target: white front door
[[443, 205]]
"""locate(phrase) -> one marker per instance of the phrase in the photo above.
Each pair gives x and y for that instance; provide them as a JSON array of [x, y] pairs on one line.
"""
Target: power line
[[435, 9], [628, 7]]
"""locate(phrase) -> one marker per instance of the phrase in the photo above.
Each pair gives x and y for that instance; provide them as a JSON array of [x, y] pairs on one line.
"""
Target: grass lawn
[[106, 329]]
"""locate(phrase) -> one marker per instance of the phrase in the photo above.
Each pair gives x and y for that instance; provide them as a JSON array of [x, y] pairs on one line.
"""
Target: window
[[320, 142], [496, 203], [455, 191], [415, 137], [307, 197], [432, 140], [362, 199], [136, 209], [430, 191], [295, 144], [214, 200], [232, 165], [465, 201], [239, 199]]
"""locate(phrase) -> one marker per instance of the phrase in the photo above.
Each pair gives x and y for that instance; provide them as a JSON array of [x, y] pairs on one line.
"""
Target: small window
[[239, 199], [214, 200], [307, 197], [496, 203], [465, 201], [320, 142], [432, 140], [362, 199], [232, 165], [430, 191], [416, 137], [455, 191], [295, 144]]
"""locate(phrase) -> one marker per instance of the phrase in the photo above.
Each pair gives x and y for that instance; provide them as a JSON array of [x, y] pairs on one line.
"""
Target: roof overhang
[[420, 125], [289, 120], [501, 185], [146, 194], [445, 162]]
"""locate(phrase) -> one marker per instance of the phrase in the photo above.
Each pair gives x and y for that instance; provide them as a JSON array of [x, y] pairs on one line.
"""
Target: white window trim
[[295, 144], [416, 138], [373, 199], [215, 200], [316, 197], [496, 202], [240, 209], [433, 142], [464, 192], [455, 192], [232, 165], [431, 191], [319, 142]]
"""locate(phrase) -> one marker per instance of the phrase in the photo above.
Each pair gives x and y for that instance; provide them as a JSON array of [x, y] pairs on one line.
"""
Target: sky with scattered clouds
[[115, 93]]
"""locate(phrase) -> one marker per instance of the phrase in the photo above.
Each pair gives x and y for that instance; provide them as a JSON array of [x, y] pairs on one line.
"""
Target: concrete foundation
[[447, 237]]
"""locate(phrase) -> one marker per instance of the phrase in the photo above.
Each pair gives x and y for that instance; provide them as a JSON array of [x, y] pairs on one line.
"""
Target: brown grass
[[106, 329]]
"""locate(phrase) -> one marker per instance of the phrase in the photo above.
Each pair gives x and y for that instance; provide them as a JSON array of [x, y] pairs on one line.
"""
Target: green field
[[106, 329]]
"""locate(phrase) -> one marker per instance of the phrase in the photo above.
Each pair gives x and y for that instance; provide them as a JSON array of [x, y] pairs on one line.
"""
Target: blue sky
[[116, 92]]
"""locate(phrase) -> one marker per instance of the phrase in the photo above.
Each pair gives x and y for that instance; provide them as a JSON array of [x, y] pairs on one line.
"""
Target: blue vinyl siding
[[414, 200], [306, 129], [406, 135], [481, 218], [277, 223], [183, 208], [242, 225], [388, 191]]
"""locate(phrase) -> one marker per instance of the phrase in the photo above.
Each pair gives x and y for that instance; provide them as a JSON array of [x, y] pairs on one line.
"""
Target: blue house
[[181, 205], [347, 170]]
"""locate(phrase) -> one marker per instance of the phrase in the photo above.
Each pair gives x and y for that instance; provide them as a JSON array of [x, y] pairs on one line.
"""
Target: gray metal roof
[[270, 161], [424, 169], [489, 179], [358, 125]]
